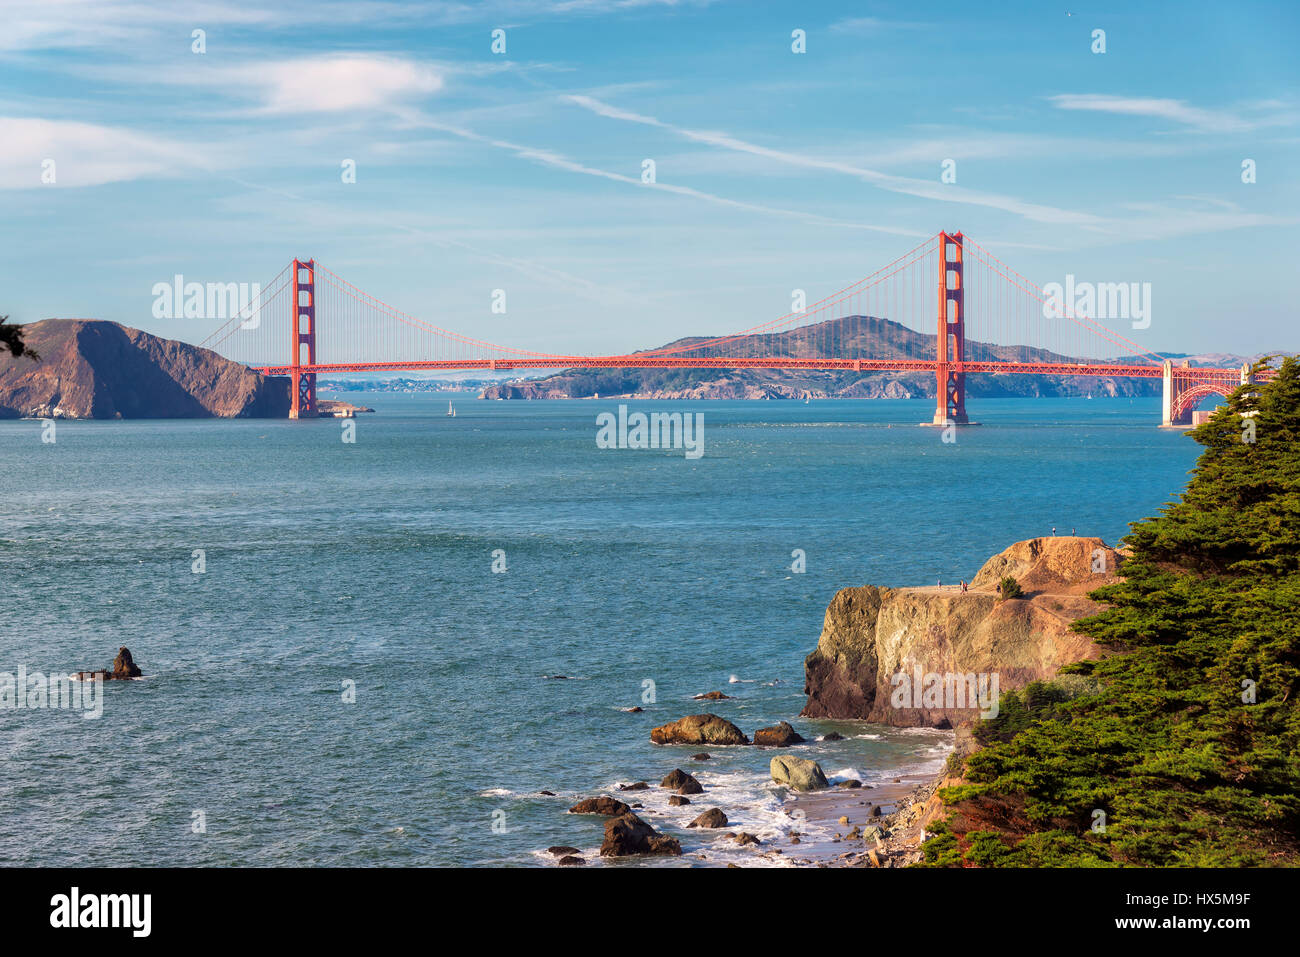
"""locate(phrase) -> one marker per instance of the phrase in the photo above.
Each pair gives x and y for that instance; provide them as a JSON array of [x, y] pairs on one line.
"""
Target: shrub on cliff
[[1009, 588], [1186, 750], [11, 340]]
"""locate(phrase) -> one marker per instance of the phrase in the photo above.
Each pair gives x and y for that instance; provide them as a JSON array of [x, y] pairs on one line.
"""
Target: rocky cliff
[[879, 647], [91, 369]]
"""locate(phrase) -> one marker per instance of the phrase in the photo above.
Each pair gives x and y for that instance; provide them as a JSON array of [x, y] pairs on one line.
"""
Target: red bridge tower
[[950, 337], [302, 395]]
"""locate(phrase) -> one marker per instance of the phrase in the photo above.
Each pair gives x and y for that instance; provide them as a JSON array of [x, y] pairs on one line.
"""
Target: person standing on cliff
[[1053, 531], [963, 586]]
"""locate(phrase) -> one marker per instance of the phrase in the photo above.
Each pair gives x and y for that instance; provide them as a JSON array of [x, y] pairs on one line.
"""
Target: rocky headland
[[90, 369], [1018, 631], [871, 636], [876, 640]]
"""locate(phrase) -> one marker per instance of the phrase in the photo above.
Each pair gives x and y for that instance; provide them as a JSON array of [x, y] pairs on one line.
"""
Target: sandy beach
[[854, 840]]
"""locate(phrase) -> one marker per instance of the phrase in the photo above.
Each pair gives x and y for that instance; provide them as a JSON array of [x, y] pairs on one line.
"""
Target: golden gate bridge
[[945, 307]]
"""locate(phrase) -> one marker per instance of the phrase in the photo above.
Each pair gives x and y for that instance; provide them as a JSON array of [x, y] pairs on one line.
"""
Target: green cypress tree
[[1186, 750]]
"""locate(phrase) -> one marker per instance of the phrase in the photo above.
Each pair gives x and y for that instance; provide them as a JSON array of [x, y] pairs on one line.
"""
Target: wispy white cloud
[[337, 83], [81, 24], [869, 25], [927, 151], [1159, 221], [925, 189], [1211, 201], [1173, 111], [324, 217], [547, 157], [1149, 221], [87, 154]]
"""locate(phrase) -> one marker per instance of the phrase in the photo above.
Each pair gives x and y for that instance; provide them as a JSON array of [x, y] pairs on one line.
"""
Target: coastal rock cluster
[[876, 640], [627, 834], [870, 637], [711, 729]]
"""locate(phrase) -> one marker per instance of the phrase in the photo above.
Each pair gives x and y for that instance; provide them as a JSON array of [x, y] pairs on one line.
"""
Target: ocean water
[[644, 577]]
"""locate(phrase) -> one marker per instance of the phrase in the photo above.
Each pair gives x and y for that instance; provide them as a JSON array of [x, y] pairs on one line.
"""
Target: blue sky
[[775, 170]]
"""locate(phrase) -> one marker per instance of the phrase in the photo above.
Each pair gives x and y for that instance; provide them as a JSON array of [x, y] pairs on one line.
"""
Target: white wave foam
[[844, 774]]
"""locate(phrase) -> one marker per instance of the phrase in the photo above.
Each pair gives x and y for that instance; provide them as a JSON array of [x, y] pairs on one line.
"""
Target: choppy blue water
[[372, 563]]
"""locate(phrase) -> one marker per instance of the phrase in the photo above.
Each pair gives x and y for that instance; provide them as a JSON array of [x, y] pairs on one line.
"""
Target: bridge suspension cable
[[883, 321]]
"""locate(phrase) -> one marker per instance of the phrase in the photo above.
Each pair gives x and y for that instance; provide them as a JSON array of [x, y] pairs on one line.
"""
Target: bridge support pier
[[302, 385], [1172, 415], [950, 336]]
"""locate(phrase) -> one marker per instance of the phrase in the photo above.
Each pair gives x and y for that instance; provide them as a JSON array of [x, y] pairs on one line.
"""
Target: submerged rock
[[713, 696], [698, 729], [571, 860], [628, 834], [676, 800], [560, 850], [799, 773], [600, 805]]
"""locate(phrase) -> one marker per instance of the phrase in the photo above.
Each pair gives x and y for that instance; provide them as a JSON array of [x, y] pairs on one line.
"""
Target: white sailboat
[[451, 410]]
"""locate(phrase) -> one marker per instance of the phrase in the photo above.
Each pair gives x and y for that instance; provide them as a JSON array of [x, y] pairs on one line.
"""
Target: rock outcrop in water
[[628, 834], [681, 782], [872, 636], [600, 805], [124, 669], [698, 729], [780, 735], [800, 773], [90, 369]]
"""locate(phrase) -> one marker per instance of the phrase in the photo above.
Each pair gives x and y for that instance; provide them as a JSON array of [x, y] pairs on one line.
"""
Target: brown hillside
[[90, 369]]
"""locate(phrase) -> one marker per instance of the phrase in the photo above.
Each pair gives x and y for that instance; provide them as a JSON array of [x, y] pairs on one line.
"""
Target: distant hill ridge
[[883, 338]]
